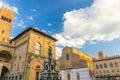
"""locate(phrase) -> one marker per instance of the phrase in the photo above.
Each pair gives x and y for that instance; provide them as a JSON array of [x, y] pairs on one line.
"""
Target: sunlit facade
[[22, 57]]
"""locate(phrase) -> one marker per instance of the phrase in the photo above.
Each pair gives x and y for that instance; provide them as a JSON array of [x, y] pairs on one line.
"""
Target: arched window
[[111, 65], [105, 65], [116, 64], [68, 76], [37, 48]]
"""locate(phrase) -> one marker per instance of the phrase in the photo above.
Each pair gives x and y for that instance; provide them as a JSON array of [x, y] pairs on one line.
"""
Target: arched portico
[[4, 71], [5, 63], [5, 56]]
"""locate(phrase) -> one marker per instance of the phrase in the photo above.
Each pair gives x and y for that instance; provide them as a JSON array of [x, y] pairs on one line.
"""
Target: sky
[[87, 25]]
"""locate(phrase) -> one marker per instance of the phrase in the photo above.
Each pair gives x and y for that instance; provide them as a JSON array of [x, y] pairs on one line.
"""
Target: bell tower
[[6, 21]]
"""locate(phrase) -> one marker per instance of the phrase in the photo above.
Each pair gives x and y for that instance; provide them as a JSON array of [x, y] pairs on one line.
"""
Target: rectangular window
[[67, 56], [2, 17]]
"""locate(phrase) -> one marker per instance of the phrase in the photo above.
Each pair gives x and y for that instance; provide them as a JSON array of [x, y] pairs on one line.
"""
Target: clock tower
[[6, 21]]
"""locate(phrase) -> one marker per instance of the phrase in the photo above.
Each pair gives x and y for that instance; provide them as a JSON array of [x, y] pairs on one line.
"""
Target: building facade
[[22, 58], [107, 67], [73, 62], [75, 74]]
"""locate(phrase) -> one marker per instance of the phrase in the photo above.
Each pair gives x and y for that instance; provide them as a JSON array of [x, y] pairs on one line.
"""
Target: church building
[[75, 65]]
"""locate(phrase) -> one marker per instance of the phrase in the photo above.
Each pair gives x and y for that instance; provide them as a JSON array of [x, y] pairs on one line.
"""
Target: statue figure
[[50, 54]]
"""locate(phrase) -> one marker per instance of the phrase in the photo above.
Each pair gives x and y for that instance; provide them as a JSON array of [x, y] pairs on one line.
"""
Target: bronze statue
[[50, 54]]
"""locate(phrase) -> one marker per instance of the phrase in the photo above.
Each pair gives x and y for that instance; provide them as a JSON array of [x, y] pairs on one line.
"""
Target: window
[[9, 20], [20, 77], [78, 77], [113, 71], [116, 64], [18, 67], [111, 65], [37, 75], [4, 18], [97, 76], [37, 72], [12, 78], [67, 56], [97, 67], [2, 31], [16, 78], [68, 76], [101, 66], [107, 71], [104, 71], [37, 48], [9, 78], [38, 67], [96, 72], [105, 65]]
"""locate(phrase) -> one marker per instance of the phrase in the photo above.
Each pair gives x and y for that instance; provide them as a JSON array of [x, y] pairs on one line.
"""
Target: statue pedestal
[[49, 72]]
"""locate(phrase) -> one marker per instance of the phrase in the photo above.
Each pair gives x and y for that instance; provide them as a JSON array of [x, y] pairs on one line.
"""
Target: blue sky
[[87, 25]]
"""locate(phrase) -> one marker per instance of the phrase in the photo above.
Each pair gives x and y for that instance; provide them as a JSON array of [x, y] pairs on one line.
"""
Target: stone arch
[[34, 69], [4, 71], [5, 56]]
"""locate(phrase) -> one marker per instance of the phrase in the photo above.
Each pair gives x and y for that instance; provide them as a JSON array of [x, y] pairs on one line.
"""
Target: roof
[[35, 30], [110, 58]]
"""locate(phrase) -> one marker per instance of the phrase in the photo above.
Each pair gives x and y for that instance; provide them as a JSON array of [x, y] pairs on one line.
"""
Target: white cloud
[[11, 37], [31, 18], [92, 42], [44, 31], [1, 4], [33, 10], [65, 40], [37, 28], [49, 24], [99, 22], [58, 52], [21, 24], [13, 8]]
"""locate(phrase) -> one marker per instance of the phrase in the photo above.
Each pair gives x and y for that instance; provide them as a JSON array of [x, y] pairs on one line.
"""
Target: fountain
[[49, 72]]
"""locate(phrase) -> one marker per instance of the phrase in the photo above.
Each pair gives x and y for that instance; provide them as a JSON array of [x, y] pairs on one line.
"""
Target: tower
[[101, 55], [6, 21]]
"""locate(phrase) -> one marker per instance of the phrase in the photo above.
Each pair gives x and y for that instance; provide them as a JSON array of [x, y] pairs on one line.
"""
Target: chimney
[[101, 55]]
